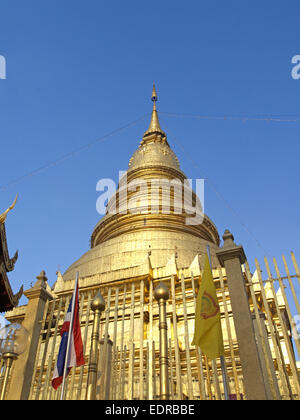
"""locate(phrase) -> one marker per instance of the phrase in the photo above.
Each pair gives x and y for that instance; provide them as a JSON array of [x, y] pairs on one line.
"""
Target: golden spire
[[154, 127], [3, 215]]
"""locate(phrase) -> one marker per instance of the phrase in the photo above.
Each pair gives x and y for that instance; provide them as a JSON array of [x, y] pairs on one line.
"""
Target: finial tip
[[3, 215], [154, 94]]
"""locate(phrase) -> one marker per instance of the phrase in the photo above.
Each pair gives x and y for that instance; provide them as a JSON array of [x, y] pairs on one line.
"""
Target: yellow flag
[[208, 332]]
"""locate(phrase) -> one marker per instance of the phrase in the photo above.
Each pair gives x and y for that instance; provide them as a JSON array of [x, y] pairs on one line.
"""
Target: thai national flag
[[75, 357]]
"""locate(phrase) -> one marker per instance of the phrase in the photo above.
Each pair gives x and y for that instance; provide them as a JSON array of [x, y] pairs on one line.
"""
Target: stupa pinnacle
[[154, 129]]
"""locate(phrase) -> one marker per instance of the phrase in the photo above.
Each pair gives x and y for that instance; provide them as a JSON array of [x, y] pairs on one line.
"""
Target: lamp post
[[13, 341], [162, 294], [97, 306]]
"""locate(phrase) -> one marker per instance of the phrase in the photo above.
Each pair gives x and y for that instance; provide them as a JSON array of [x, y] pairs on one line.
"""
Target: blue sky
[[78, 70]]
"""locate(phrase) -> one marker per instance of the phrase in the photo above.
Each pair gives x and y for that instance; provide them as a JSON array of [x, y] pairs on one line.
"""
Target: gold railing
[[129, 339]]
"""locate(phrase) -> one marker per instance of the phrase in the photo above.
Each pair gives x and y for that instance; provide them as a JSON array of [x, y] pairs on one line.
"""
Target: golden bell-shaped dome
[[154, 154], [120, 241]]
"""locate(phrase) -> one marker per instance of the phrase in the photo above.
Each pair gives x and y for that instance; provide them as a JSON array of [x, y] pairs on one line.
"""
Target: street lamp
[[13, 342]]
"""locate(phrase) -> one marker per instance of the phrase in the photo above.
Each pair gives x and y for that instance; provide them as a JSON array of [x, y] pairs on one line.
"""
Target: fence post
[[105, 363], [162, 294], [97, 306], [21, 379], [231, 257]]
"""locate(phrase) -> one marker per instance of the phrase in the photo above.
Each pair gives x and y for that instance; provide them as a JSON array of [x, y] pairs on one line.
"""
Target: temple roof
[[8, 300]]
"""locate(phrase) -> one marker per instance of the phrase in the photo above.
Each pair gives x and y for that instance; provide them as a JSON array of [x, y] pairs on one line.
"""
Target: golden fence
[[129, 346]]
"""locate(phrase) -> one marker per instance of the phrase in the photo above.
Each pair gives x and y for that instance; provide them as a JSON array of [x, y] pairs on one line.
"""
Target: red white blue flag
[[75, 350]]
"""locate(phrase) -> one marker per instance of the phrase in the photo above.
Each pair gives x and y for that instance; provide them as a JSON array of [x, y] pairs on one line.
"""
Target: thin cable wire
[[203, 117], [234, 212], [71, 154], [278, 118], [207, 117]]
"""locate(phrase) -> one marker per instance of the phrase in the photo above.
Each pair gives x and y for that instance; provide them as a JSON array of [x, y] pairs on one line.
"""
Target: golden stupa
[[145, 261], [120, 242]]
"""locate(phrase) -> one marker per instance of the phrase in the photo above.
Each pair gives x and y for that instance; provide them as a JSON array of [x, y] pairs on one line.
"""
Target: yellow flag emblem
[[208, 331]]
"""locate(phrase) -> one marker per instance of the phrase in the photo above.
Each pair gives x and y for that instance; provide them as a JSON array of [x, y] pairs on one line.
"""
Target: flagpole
[[223, 366], [69, 338], [224, 376]]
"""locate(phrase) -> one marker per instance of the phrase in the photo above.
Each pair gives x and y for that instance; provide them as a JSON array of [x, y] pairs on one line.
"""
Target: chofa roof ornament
[[4, 215]]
